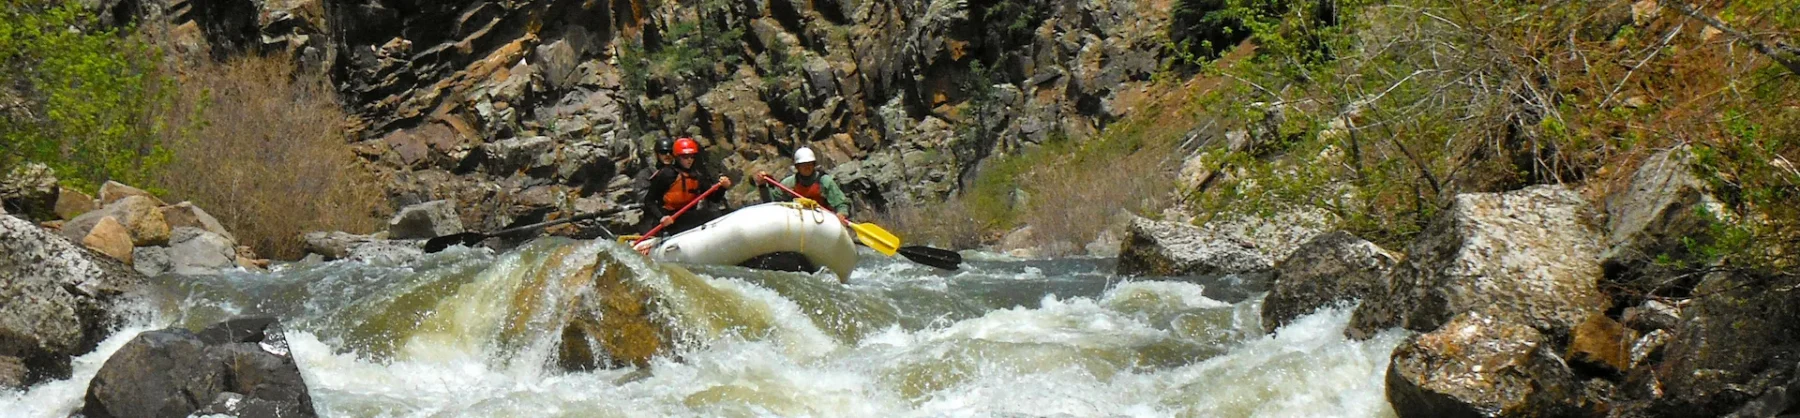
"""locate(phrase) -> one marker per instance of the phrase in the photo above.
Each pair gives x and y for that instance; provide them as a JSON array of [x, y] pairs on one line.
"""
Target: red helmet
[[686, 146]]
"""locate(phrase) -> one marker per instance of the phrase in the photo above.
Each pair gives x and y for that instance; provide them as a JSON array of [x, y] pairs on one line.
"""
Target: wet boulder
[[425, 220], [1160, 248], [1330, 268], [138, 214], [59, 300], [1481, 366], [241, 366], [1660, 214], [1526, 255], [615, 325], [338, 245]]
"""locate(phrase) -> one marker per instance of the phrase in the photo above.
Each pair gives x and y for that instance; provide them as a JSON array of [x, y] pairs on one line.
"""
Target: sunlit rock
[[1528, 256], [138, 214], [425, 220], [175, 372], [1172, 249], [1478, 365], [71, 203], [196, 251], [110, 238], [188, 215], [113, 191]]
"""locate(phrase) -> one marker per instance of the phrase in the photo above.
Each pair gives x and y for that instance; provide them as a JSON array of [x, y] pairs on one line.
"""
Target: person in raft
[[673, 186], [809, 181]]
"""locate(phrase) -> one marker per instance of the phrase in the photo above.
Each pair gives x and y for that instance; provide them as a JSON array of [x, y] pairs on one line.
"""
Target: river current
[[474, 332]]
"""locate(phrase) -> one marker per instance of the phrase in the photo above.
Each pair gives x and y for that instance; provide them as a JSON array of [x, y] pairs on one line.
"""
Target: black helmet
[[665, 146]]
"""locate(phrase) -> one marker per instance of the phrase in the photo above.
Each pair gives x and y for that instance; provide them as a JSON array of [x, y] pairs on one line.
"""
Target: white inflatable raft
[[762, 229]]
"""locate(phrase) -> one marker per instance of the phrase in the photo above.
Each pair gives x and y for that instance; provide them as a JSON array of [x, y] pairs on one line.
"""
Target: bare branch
[[1787, 55]]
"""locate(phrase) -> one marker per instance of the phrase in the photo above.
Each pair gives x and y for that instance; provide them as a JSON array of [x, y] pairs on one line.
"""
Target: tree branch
[[1784, 54]]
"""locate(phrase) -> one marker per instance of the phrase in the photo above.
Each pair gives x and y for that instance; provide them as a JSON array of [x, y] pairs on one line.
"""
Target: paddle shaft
[[684, 209]]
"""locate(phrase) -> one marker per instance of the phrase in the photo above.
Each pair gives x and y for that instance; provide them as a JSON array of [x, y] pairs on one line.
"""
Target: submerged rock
[[60, 299], [1172, 249], [1528, 256], [425, 220], [1330, 268], [241, 366], [615, 325], [1477, 365]]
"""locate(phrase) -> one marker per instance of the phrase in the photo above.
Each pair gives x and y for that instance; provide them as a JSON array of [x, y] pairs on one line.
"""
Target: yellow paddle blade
[[880, 239]]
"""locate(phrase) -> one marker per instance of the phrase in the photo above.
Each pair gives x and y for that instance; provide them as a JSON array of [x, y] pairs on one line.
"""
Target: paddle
[[471, 238], [885, 242], [684, 209]]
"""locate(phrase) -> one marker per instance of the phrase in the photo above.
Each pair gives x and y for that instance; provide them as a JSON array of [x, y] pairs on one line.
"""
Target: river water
[[472, 332]]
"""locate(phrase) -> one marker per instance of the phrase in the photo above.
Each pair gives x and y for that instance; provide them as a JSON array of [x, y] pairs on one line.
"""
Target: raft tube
[[763, 229]]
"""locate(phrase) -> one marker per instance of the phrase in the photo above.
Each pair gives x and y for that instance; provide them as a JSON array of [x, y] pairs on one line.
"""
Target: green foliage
[[87, 95], [695, 49], [1014, 19]]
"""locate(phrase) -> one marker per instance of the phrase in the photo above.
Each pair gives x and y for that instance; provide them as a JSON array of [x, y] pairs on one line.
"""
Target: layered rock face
[[518, 109]]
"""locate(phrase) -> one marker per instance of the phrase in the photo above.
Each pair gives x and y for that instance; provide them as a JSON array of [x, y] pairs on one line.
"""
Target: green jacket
[[834, 195]]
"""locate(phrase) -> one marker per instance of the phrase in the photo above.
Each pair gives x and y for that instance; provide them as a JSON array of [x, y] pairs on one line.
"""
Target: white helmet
[[803, 155]]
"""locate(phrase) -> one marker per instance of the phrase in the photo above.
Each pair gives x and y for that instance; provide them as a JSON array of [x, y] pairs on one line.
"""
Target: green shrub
[[81, 98]]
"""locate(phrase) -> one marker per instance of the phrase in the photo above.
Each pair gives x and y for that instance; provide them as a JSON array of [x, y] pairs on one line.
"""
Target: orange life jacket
[[684, 190], [814, 191]]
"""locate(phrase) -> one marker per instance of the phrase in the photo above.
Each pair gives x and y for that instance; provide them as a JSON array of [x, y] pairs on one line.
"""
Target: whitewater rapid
[[1002, 338]]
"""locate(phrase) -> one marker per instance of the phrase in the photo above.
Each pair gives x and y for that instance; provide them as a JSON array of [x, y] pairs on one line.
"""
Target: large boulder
[[1738, 341], [1659, 214], [1481, 366], [425, 220], [110, 238], [57, 299], [30, 190], [113, 191], [1330, 268], [139, 214], [195, 251], [186, 214], [241, 367], [1160, 248], [1527, 255], [337, 245]]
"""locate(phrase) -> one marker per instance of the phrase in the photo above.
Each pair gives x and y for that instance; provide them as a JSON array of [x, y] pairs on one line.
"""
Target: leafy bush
[[270, 159], [79, 97]]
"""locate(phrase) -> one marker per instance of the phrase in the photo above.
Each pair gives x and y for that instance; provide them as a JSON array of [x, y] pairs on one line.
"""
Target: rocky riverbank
[[1531, 303]]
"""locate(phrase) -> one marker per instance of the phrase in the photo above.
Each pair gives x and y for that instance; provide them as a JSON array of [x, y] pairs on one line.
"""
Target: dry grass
[[949, 224], [269, 158]]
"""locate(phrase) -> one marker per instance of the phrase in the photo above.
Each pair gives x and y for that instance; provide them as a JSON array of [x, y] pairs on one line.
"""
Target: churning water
[[469, 332]]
